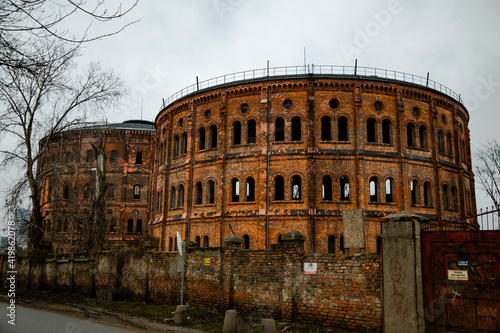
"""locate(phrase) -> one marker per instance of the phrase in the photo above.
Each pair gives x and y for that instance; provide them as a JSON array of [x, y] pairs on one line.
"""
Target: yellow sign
[[458, 275], [207, 261]]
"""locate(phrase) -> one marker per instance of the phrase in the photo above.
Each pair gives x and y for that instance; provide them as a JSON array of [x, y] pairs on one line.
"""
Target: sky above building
[[174, 41]]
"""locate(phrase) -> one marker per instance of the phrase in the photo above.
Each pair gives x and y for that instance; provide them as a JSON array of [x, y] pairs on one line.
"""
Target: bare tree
[[488, 170], [41, 102]]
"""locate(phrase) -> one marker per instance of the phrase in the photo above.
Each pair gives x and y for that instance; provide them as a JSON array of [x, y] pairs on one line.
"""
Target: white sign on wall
[[310, 268]]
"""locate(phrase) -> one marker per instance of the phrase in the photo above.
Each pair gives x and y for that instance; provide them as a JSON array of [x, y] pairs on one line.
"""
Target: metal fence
[[489, 219], [273, 72]]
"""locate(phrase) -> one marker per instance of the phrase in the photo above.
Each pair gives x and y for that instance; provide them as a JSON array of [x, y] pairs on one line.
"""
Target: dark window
[[172, 197], [386, 131], [176, 146], [334, 103], [65, 225], [280, 239], [378, 105], [211, 192], [59, 225], [50, 193], [111, 191], [279, 134], [205, 241], [246, 242], [114, 157], [296, 188], [236, 133], [244, 108], [86, 191], [379, 244], [250, 189], [180, 201], [373, 189], [208, 114], [138, 227], [199, 193], [138, 158], [130, 226], [201, 138], [341, 244], [198, 241], [213, 136], [327, 188], [235, 190], [410, 135], [137, 192], [422, 132], [344, 188], [453, 197], [445, 197], [90, 156], [414, 192], [427, 194], [69, 157], [343, 129], [331, 244], [371, 135], [112, 226], [184, 139], [170, 244], [66, 191], [251, 131], [440, 141], [287, 104], [296, 129], [326, 129], [389, 190], [415, 111], [449, 144], [279, 188]]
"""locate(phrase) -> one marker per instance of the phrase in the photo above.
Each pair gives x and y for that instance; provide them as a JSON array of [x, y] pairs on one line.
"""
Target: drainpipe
[[267, 173]]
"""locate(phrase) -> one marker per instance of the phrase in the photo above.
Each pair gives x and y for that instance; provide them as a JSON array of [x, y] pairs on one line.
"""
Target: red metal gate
[[461, 281]]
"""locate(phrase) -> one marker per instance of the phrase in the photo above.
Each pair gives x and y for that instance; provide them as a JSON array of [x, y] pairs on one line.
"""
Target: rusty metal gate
[[461, 281]]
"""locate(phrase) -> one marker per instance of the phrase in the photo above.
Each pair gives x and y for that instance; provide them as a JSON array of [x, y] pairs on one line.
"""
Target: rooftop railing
[[273, 72]]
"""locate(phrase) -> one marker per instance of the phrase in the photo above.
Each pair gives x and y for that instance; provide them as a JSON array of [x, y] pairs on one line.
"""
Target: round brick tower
[[263, 152]]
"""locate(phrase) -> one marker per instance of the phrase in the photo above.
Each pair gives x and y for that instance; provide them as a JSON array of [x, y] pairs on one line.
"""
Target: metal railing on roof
[[273, 72]]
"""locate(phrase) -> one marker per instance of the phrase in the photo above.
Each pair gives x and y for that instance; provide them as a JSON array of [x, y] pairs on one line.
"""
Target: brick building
[[262, 153], [70, 183]]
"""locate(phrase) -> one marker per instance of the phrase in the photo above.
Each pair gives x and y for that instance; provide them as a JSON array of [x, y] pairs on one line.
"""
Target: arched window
[[422, 133], [198, 241], [386, 131], [410, 135], [389, 190], [114, 157], [251, 131], [427, 194], [449, 144], [296, 188], [331, 244], [379, 244], [280, 239], [130, 226], [211, 192], [236, 133], [279, 188], [112, 225], [69, 157], [137, 192], [65, 225], [279, 129], [172, 197], [341, 244], [111, 191], [213, 136], [201, 138], [344, 188], [440, 141], [138, 226], [170, 244], [205, 241], [59, 225], [86, 191], [235, 190], [296, 129], [250, 189], [326, 128], [343, 130], [246, 242], [445, 196], [180, 200], [66, 192], [199, 193], [90, 156], [183, 148], [176, 146], [138, 158], [373, 189], [327, 188], [371, 134], [414, 192], [453, 197]]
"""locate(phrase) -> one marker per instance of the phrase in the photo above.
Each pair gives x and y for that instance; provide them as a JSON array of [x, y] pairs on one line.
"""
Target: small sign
[[207, 261], [458, 275], [310, 268], [463, 263]]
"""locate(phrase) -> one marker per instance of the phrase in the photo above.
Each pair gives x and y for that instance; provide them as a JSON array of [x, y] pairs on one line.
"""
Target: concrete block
[[268, 325], [230, 322], [180, 317]]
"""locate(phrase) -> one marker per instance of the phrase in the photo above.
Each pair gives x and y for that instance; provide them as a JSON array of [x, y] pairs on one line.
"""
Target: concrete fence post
[[233, 243], [403, 305]]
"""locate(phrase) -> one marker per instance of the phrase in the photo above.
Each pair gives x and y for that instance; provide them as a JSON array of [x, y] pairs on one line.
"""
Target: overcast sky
[[457, 42]]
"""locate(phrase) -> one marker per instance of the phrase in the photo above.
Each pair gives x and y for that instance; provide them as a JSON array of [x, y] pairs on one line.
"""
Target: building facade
[[260, 156], [70, 184]]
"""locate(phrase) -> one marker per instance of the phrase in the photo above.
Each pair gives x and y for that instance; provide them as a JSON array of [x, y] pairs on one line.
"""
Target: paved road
[[29, 320]]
